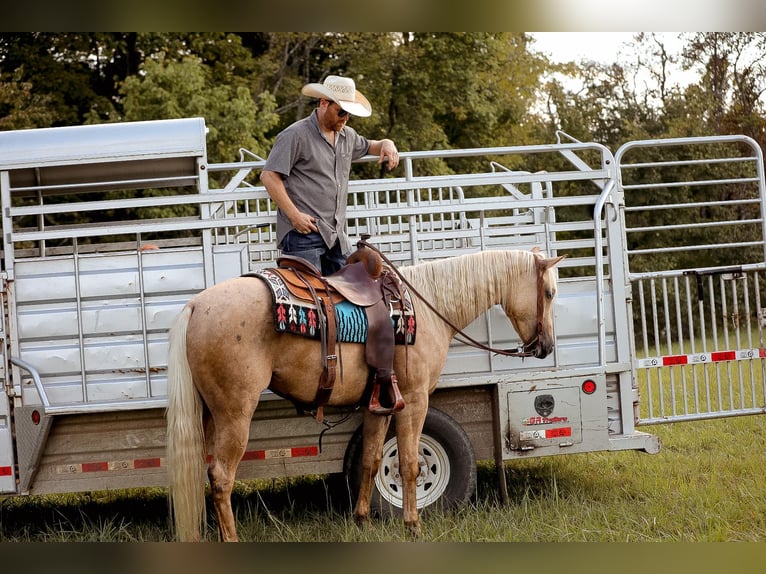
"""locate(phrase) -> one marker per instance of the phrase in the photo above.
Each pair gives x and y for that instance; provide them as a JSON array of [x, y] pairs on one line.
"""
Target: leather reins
[[522, 351]]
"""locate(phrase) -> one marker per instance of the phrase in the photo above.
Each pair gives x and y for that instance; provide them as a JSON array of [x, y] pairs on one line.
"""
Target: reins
[[521, 351]]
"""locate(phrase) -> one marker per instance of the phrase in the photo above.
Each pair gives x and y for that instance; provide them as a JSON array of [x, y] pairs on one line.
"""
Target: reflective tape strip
[[701, 358], [276, 453], [145, 463], [106, 466], [293, 452]]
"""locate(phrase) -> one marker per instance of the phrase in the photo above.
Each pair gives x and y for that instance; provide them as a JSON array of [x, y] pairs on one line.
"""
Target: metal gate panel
[[700, 346], [696, 248]]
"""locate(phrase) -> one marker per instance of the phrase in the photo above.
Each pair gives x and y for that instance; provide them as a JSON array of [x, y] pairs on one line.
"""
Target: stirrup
[[398, 402]]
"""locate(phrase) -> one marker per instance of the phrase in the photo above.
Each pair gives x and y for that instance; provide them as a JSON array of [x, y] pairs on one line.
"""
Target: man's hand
[[386, 151]]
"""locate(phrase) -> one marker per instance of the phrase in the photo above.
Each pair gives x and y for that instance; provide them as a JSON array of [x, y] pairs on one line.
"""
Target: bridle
[[526, 350]]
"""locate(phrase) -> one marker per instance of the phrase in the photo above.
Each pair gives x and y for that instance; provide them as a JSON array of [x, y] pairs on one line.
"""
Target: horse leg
[[208, 425], [229, 446], [409, 425], [375, 428]]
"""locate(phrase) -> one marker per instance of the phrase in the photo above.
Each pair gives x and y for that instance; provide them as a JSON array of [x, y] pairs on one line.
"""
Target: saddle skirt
[[352, 282], [295, 311]]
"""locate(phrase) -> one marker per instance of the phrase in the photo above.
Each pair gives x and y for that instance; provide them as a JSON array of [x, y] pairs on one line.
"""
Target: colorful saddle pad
[[292, 315]]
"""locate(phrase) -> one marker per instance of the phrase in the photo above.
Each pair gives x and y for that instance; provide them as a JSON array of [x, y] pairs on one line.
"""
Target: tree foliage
[[428, 90]]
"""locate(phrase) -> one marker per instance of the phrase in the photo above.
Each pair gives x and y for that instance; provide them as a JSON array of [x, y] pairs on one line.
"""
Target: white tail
[[185, 441]]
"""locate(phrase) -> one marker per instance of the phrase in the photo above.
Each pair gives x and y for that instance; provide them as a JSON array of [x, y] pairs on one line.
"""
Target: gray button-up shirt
[[316, 175]]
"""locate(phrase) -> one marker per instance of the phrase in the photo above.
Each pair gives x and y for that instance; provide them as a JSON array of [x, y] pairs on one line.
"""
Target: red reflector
[[35, 417], [724, 356], [147, 463], [305, 451], [589, 387], [5, 471], [254, 455], [95, 466], [558, 433]]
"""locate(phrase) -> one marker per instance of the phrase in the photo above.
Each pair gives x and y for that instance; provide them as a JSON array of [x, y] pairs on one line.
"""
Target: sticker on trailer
[[532, 421], [545, 433], [701, 358]]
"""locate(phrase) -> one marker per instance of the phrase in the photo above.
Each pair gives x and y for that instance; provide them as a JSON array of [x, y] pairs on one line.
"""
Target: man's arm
[[302, 222], [385, 149]]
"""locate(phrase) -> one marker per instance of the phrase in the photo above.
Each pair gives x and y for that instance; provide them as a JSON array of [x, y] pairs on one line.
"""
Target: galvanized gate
[[694, 222]]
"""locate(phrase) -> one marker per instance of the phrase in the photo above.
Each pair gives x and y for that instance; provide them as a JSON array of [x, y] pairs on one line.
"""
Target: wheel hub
[[433, 473]]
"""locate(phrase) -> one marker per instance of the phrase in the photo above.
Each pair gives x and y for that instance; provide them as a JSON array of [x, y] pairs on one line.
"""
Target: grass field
[[707, 484]]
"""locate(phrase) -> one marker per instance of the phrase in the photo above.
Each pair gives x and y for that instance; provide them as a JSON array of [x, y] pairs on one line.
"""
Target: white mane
[[469, 285]]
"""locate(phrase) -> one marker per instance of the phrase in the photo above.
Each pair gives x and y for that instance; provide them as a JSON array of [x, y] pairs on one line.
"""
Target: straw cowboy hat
[[341, 91]]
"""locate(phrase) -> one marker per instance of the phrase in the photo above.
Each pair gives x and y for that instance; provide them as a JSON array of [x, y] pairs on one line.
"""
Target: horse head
[[530, 306]]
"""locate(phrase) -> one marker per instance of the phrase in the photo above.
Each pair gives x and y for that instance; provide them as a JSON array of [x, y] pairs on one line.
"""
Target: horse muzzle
[[538, 348]]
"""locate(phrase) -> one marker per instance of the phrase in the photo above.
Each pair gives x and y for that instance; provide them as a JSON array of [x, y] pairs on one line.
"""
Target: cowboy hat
[[341, 91]]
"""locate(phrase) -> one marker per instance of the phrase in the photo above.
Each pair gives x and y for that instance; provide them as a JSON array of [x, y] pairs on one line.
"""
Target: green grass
[[706, 485]]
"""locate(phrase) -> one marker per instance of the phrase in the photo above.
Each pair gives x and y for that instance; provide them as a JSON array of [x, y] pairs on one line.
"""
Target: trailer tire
[[447, 468]]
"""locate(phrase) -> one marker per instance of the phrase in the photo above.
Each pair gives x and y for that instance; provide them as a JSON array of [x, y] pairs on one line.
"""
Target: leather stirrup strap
[[328, 335], [329, 358]]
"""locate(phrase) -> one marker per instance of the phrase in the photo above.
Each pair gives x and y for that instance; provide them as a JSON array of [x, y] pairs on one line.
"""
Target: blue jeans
[[312, 247]]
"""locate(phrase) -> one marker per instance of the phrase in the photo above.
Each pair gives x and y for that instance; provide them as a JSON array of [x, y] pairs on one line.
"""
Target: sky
[[605, 47], [599, 46]]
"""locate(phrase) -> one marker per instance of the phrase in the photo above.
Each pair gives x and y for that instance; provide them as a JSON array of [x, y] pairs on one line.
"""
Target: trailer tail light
[[589, 387], [35, 417]]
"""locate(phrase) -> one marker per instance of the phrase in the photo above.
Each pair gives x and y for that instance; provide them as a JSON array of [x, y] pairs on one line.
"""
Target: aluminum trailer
[[109, 229]]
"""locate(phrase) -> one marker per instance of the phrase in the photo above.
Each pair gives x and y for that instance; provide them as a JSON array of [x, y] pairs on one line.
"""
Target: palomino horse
[[224, 352]]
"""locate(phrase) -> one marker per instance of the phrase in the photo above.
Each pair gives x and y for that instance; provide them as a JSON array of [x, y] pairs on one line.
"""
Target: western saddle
[[365, 282]]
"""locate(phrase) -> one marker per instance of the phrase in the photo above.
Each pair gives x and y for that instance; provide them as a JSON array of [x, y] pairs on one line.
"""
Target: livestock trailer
[[108, 230]]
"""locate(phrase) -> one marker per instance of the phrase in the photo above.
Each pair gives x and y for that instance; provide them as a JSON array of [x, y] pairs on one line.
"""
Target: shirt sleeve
[[361, 144], [284, 153]]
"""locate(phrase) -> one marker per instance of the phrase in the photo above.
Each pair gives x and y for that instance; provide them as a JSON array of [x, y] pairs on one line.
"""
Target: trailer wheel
[[447, 468]]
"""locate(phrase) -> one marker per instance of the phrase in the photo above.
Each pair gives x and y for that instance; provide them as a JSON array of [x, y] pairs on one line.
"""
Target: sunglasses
[[340, 111]]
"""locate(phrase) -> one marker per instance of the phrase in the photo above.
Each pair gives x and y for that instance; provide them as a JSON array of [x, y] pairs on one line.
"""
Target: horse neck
[[462, 288]]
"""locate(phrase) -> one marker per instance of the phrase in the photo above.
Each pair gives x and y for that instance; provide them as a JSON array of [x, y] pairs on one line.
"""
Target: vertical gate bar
[[714, 318], [669, 343], [758, 307], [692, 342], [725, 327], [645, 339], [655, 319], [703, 335], [738, 338], [749, 335], [681, 342], [762, 362]]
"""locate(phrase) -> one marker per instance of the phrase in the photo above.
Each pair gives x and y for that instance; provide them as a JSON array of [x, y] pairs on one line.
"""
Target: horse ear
[[548, 263]]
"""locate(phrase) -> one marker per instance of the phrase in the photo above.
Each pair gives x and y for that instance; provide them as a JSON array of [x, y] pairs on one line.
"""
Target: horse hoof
[[362, 521], [413, 528]]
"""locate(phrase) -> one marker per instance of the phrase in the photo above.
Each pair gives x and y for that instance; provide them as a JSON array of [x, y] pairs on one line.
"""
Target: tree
[[20, 108], [170, 89]]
